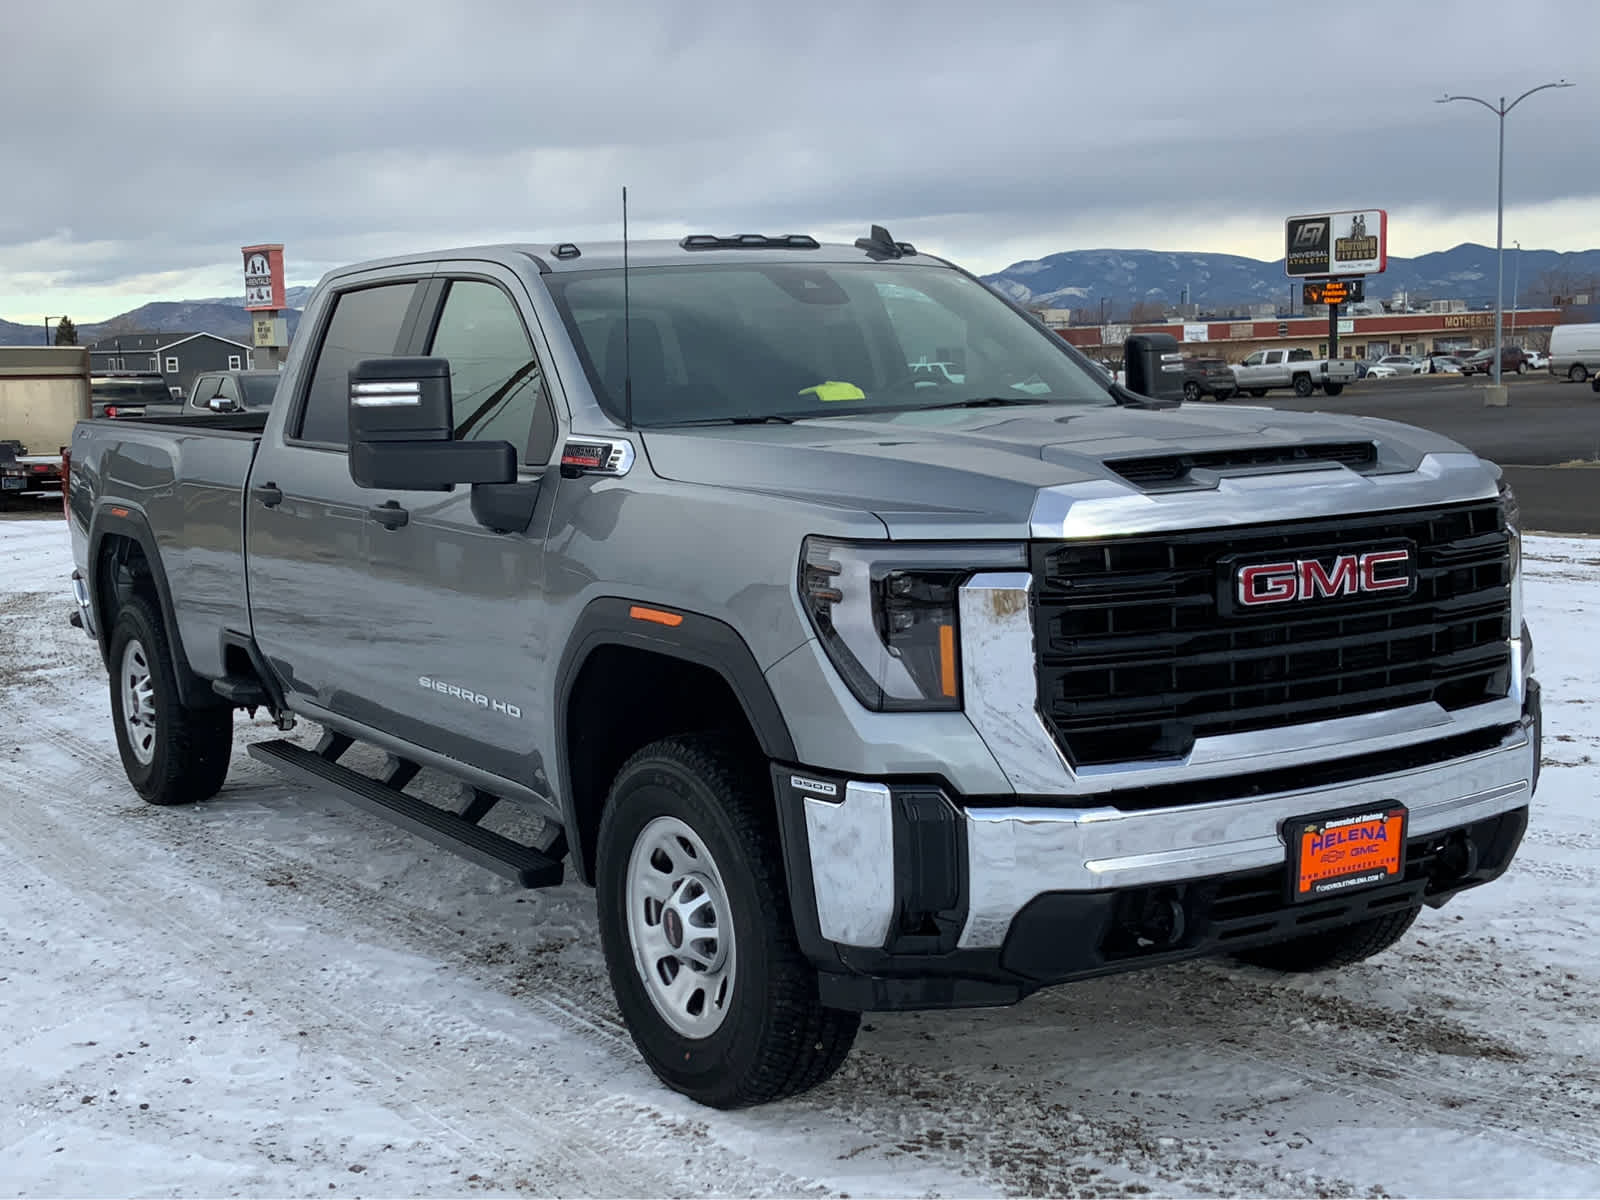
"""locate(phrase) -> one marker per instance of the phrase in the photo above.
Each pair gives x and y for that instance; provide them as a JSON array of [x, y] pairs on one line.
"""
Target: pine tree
[[66, 332]]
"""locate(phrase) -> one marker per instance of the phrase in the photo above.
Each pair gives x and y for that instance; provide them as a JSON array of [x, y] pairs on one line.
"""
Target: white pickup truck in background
[[1266, 370]]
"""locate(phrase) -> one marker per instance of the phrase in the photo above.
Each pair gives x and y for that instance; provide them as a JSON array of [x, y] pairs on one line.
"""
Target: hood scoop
[[1164, 472]]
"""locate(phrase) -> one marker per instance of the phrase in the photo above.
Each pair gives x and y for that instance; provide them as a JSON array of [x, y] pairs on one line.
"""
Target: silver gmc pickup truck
[[848, 686]]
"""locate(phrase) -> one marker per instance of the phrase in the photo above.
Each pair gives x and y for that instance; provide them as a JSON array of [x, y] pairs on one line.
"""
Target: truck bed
[[183, 481]]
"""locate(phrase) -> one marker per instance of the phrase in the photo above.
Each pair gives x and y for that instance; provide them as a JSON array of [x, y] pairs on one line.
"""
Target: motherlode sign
[[1337, 243], [263, 278]]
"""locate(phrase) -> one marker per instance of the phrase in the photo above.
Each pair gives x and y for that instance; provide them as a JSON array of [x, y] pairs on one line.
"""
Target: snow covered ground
[[274, 994]]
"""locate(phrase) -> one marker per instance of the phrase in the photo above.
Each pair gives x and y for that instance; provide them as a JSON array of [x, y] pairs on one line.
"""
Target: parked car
[[1401, 364], [127, 393], [1512, 362], [1538, 360], [1268, 369], [1444, 364], [1378, 370], [1207, 377], [1575, 351]]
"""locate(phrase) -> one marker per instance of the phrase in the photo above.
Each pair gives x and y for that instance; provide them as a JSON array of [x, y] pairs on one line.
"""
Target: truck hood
[[978, 472]]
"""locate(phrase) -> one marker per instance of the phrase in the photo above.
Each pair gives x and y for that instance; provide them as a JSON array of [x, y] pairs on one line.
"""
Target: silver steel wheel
[[680, 927], [138, 701]]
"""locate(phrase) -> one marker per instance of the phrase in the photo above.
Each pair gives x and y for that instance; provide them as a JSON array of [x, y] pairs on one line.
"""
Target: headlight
[[885, 612]]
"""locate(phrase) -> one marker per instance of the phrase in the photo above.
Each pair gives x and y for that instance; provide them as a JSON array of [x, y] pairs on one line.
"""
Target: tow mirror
[[402, 433], [1153, 366]]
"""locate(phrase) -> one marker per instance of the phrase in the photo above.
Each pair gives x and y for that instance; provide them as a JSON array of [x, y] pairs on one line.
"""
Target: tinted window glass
[[366, 324], [259, 390], [123, 391], [496, 385]]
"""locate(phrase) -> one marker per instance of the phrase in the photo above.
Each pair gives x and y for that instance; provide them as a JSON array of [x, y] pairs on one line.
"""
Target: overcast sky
[[146, 142]]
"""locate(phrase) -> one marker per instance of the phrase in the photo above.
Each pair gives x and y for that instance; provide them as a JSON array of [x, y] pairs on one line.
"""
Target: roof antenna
[[627, 325]]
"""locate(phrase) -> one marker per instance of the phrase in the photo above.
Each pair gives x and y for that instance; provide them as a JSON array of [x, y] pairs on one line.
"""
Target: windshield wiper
[[986, 402], [770, 418]]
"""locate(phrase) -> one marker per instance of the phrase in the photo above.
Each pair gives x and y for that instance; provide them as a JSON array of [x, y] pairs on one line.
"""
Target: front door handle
[[270, 495], [389, 514]]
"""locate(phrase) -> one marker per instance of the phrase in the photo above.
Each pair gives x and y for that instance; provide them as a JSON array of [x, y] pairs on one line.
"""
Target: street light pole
[[1500, 211], [47, 321]]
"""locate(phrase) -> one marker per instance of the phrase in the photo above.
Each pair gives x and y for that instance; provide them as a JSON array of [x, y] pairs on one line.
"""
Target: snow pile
[[271, 994]]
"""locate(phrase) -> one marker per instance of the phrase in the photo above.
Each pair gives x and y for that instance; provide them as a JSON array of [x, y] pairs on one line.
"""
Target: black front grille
[[1137, 658]]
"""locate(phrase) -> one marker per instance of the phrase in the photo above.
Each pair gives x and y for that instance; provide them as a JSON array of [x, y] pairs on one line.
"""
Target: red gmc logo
[[1312, 579]]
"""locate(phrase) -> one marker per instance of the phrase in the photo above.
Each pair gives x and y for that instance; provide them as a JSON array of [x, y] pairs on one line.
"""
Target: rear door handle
[[270, 495], [389, 514]]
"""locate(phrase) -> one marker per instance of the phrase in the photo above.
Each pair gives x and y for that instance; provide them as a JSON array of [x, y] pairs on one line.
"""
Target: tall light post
[[1500, 209], [47, 321]]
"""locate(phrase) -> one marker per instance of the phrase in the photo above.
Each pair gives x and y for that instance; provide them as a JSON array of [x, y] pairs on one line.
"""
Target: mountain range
[[1080, 278], [1071, 279]]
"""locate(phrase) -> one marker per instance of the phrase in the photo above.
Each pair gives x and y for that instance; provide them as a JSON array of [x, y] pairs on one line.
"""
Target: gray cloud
[[161, 136]]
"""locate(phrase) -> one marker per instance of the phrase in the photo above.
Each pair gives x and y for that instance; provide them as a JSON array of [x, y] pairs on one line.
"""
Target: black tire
[[1576, 373], [1191, 391], [1522, 368], [1258, 392], [1333, 947], [1223, 394], [1333, 389], [185, 756], [776, 1038], [1303, 386]]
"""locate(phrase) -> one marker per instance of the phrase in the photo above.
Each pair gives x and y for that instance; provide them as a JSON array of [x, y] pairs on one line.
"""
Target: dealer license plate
[[1336, 853]]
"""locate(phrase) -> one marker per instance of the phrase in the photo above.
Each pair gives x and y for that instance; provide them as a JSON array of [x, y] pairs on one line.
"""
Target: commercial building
[[1359, 337]]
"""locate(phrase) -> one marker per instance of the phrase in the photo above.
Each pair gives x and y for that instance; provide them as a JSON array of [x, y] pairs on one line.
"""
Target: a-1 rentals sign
[[1338, 243]]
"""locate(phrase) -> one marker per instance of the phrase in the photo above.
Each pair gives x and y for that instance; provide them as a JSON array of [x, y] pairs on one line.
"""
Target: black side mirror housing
[[402, 433], [1154, 366]]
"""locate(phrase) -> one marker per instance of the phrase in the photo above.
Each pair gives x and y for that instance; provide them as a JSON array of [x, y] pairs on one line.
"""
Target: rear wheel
[[1303, 386], [1258, 392], [1333, 389], [699, 943], [1577, 374], [1333, 947], [172, 754]]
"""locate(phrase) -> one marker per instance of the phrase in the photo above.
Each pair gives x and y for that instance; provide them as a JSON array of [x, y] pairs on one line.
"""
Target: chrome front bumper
[[1014, 854]]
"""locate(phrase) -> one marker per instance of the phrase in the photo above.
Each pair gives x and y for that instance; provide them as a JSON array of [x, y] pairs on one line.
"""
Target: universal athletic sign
[[1337, 243]]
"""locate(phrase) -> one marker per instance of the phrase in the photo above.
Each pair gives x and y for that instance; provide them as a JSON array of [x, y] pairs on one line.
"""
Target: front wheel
[[1258, 392], [699, 942], [1191, 391], [1333, 947], [1223, 393], [1333, 389], [1303, 386], [172, 754]]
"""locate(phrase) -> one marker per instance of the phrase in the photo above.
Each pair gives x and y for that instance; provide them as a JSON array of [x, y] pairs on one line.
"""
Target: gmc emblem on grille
[[1260, 584]]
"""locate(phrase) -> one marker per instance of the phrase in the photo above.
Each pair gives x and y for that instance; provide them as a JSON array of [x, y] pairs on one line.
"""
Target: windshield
[[760, 341], [259, 390]]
